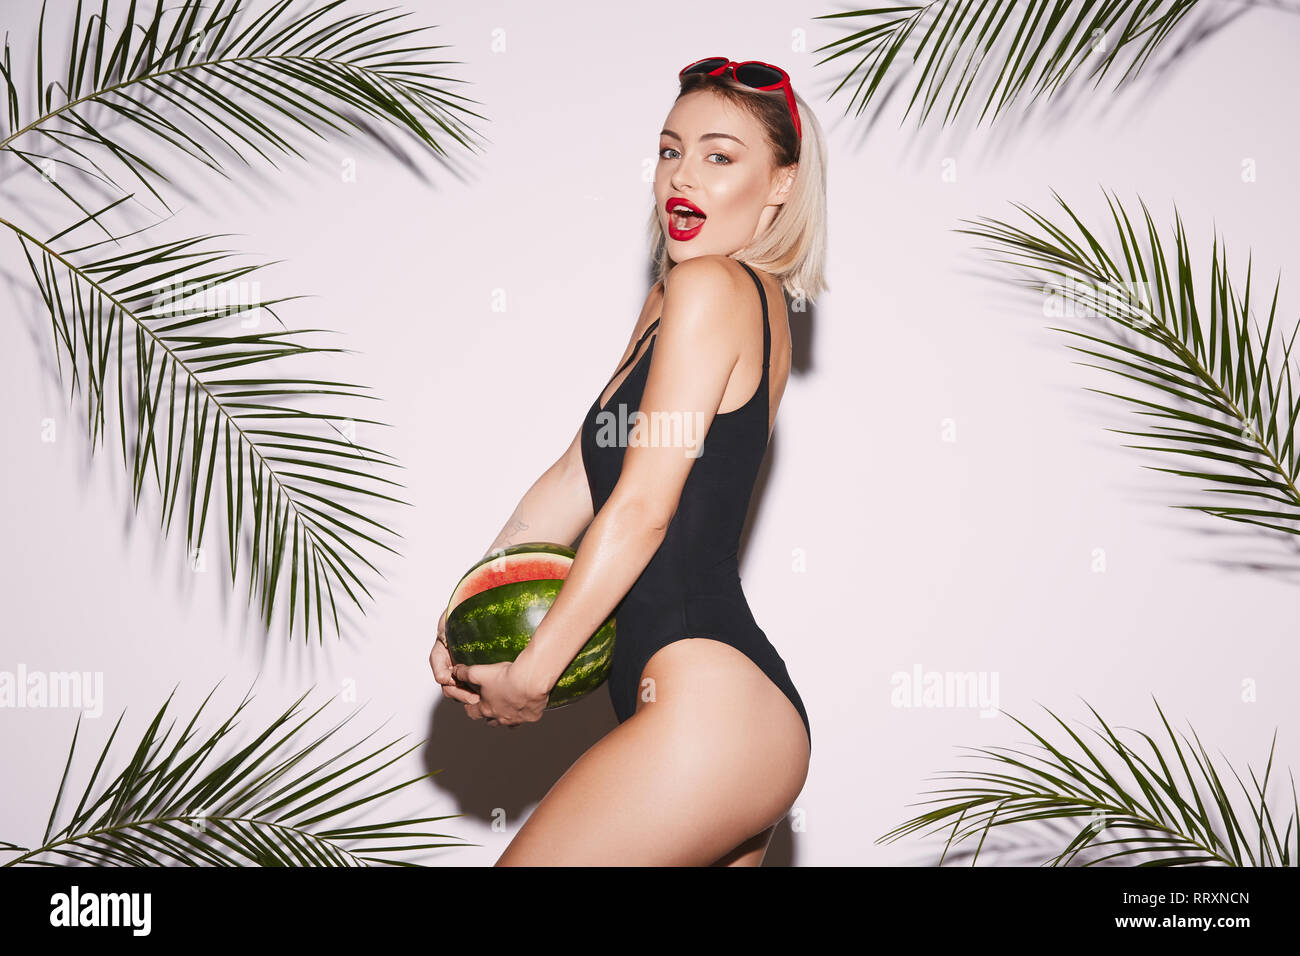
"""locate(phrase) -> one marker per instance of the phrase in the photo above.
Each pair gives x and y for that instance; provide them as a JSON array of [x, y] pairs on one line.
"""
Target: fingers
[[438, 663], [440, 656], [475, 712], [459, 694], [474, 706], [448, 674]]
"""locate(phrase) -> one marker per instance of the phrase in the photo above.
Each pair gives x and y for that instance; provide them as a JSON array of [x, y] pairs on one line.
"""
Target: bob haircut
[[793, 248]]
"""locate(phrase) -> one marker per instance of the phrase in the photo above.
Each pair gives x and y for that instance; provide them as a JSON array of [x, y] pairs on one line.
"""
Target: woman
[[713, 741]]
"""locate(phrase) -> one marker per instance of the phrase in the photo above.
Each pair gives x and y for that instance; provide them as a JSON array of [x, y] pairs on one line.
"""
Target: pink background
[[874, 547]]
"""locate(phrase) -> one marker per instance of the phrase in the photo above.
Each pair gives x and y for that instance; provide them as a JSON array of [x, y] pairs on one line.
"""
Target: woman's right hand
[[440, 661]]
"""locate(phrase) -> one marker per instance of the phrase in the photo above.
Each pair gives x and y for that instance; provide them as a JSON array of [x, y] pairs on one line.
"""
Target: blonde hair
[[793, 247]]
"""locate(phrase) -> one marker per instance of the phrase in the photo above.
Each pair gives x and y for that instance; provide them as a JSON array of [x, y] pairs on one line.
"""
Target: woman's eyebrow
[[668, 132]]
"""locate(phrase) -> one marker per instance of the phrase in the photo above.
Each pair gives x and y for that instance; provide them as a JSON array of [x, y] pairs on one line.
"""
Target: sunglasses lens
[[755, 75], [704, 66]]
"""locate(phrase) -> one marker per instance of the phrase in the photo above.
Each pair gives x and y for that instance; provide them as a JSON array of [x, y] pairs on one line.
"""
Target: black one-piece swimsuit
[[691, 587]]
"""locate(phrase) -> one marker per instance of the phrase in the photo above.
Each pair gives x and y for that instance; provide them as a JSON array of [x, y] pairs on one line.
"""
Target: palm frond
[[265, 804], [1161, 815], [221, 73], [157, 324], [1207, 361], [949, 45]]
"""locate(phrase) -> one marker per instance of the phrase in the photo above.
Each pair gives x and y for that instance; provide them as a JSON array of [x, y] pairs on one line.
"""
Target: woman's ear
[[782, 184]]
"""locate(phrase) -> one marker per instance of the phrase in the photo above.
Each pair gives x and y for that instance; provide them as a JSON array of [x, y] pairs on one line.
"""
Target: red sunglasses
[[752, 73]]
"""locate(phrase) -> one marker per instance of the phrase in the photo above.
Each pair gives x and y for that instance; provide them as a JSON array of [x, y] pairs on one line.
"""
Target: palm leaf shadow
[[307, 489], [1231, 398], [1025, 62]]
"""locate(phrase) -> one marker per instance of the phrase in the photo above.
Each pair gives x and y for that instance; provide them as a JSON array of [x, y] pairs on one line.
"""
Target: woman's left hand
[[506, 699]]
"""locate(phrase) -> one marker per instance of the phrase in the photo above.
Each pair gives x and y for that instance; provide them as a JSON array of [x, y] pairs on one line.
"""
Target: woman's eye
[[668, 149]]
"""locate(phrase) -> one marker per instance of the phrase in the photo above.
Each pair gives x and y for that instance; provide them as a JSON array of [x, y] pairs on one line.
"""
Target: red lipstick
[[678, 232]]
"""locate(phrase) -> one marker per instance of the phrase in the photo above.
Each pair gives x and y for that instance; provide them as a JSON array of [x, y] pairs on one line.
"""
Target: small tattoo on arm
[[515, 526]]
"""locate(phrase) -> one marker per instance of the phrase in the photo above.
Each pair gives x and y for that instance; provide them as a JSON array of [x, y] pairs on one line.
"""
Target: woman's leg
[[717, 757]]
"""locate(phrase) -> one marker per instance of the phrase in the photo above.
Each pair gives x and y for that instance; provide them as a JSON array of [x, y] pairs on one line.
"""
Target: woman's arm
[[556, 508], [695, 351]]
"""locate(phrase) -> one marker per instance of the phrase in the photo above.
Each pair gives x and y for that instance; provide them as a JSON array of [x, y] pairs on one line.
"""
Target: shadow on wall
[[1023, 115]]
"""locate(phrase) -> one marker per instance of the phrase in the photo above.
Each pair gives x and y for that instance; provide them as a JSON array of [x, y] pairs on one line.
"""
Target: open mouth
[[684, 217]]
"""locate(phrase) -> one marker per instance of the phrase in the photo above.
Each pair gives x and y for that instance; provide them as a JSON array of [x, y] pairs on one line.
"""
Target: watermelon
[[496, 607]]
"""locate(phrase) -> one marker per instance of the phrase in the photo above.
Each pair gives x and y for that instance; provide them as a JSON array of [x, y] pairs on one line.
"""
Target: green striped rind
[[588, 670], [495, 625]]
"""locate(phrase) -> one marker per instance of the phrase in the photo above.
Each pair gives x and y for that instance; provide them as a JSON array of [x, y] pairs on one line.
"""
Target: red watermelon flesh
[[520, 563]]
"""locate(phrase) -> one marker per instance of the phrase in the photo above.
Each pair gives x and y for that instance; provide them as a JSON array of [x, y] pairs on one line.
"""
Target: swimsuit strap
[[635, 349], [767, 331]]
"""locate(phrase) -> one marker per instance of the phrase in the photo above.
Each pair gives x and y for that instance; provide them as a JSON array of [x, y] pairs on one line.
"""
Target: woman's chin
[[681, 251]]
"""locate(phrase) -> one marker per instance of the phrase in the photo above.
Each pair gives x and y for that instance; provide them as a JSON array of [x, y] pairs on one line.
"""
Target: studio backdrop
[[278, 365]]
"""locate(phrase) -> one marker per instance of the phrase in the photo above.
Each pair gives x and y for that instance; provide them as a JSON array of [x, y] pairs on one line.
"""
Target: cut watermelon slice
[[499, 603], [536, 561]]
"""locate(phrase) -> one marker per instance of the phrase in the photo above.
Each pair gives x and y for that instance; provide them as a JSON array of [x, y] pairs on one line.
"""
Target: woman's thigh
[[714, 755]]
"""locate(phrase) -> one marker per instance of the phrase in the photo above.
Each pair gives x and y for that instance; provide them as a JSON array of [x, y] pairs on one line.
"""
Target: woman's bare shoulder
[[712, 276], [713, 284]]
